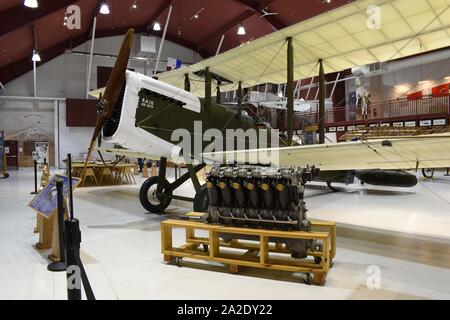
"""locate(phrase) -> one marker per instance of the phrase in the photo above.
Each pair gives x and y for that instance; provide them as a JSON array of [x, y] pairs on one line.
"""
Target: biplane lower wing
[[432, 151], [128, 153]]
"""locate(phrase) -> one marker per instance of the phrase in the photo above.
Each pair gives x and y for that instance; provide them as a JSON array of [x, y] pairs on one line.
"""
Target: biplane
[[140, 113]]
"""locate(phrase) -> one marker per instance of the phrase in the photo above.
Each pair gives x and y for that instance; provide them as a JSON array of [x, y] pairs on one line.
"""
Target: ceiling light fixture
[[31, 3], [157, 26], [241, 30], [104, 9], [134, 5], [197, 14], [36, 57]]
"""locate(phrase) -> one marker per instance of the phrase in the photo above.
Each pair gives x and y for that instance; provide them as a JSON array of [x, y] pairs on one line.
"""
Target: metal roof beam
[[164, 6], [257, 6], [225, 28], [18, 68]]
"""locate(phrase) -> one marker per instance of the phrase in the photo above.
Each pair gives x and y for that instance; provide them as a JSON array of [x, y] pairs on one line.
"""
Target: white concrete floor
[[406, 234]]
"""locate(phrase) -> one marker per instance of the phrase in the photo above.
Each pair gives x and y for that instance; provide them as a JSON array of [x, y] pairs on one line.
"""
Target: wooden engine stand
[[258, 253]]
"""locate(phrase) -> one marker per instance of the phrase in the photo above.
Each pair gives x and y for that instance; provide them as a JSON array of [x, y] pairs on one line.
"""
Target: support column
[[187, 83], [321, 103], [208, 81], [290, 90], [91, 56], [155, 71], [218, 98], [240, 98]]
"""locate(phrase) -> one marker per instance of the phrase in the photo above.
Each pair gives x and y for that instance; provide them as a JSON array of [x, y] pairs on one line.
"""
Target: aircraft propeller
[[112, 91]]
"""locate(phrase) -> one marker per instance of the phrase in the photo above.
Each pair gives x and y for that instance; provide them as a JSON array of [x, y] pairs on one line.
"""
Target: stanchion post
[[35, 178], [73, 240], [61, 264]]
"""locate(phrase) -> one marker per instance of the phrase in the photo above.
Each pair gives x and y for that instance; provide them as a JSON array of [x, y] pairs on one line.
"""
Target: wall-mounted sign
[[312, 129], [351, 128], [373, 125], [332, 129], [361, 127], [410, 124], [425, 123], [439, 122], [397, 124], [384, 125], [341, 129]]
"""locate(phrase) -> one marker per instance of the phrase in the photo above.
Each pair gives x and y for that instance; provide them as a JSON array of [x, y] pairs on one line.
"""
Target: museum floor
[[406, 233]]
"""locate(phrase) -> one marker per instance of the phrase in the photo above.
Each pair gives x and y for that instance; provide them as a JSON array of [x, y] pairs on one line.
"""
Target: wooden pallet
[[258, 254]]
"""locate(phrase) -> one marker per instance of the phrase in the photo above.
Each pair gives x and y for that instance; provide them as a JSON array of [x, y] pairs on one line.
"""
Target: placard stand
[[57, 254], [37, 228], [145, 171], [154, 174], [45, 232]]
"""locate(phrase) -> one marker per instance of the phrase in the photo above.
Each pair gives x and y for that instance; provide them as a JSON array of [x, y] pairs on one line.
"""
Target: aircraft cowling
[[389, 178], [122, 130]]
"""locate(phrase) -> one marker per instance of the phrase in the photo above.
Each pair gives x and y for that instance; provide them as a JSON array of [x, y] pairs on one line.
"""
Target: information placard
[[46, 202]]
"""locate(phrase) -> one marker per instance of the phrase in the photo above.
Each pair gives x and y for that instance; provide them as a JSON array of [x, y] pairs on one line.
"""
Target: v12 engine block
[[261, 197]]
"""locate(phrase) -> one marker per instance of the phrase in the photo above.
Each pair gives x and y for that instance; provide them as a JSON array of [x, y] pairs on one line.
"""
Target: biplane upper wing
[[431, 151], [343, 38]]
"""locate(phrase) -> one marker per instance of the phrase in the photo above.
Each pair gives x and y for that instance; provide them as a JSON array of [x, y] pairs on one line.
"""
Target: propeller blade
[[112, 91]]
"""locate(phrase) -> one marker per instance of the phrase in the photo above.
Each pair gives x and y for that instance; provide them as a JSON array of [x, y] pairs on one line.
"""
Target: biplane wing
[[343, 38], [134, 154], [429, 151]]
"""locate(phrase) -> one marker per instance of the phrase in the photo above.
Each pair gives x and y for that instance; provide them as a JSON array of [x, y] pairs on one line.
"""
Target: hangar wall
[[397, 84], [65, 77]]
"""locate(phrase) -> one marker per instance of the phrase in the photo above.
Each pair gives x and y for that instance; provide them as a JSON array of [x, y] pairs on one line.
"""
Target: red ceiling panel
[[8, 4], [202, 34]]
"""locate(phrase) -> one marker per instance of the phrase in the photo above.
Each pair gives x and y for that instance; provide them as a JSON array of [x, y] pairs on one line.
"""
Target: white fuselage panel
[[131, 137]]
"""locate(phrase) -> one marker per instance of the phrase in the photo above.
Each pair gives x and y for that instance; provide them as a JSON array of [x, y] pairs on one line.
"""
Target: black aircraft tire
[[159, 205], [4, 176], [201, 200], [428, 173]]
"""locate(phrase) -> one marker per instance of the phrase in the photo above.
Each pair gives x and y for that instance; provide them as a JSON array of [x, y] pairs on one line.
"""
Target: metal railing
[[384, 111]]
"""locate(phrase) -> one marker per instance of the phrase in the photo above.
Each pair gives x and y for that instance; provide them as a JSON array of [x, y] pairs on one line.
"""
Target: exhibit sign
[[439, 122], [425, 123], [46, 202]]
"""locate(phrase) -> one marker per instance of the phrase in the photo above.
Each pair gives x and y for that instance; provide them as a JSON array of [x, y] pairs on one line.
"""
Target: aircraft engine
[[261, 197]]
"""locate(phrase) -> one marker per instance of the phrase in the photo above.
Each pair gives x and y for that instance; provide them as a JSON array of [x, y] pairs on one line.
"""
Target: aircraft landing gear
[[148, 195], [201, 200], [331, 187], [428, 173], [156, 193]]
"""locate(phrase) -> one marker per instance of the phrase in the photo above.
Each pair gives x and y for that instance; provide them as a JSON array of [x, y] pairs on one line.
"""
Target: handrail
[[392, 109]]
